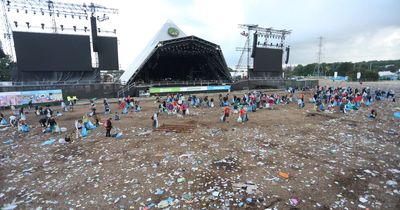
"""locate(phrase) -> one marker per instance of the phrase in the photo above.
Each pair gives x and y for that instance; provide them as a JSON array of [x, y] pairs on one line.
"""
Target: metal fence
[[191, 83], [50, 83], [127, 88]]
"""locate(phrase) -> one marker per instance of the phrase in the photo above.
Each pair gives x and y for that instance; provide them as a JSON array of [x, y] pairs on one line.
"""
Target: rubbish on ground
[[284, 175], [181, 180], [294, 201], [49, 142]]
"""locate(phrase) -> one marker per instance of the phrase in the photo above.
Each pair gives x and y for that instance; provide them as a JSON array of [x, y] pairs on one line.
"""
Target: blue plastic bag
[[4, 122], [119, 135], [49, 142], [84, 132], [25, 128], [89, 125], [56, 129]]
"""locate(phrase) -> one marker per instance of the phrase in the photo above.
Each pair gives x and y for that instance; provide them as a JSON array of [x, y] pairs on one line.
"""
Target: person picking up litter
[[155, 120], [373, 114], [227, 111], [108, 126]]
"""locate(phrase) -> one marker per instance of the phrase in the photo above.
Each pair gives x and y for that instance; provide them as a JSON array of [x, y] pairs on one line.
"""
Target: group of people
[[249, 102], [343, 99], [49, 123], [71, 103], [13, 120], [83, 125], [174, 104], [346, 98], [129, 104], [17, 119], [323, 98]]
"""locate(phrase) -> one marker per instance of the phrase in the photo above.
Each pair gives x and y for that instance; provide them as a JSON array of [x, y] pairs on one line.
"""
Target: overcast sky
[[352, 30]]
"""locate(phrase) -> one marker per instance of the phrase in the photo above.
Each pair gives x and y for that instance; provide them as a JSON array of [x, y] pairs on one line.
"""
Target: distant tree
[[309, 69], [369, 69], [306, 70], [5, 72], [329, 72], [371, 75], [298, 68], [391, 68], [344, 68], [352, 75]]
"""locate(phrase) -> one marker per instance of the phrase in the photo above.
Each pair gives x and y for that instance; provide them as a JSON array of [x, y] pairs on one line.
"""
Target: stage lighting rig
[[91, 12], [104, 18], [273, 38], [54, 8]]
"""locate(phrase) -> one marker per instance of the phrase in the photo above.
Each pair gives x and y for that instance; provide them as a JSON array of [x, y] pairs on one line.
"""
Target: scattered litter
[[294, 201], [215, 194], [363, 200], [391, 183], [326, 159], [159, 192], [10, 206], [181, 180], [49, 142], [9, 141], [284, 175], [394, 171], [249, 200], [62, 141], [249, 188]]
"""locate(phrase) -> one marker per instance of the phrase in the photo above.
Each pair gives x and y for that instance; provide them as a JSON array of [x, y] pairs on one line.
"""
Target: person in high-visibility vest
[[75, 99]]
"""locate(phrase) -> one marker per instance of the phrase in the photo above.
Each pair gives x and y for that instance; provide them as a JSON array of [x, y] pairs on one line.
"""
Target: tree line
[[5, 71], [369, 69]]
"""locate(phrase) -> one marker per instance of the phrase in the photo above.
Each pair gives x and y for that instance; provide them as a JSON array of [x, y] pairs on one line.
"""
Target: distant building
[[387, 75]]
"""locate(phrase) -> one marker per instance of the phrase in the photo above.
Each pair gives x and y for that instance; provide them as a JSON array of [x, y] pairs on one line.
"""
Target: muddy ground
[[333, 161]]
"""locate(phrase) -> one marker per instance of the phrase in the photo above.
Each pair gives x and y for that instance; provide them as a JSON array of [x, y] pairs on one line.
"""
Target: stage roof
[[184, 59], [167, 32]]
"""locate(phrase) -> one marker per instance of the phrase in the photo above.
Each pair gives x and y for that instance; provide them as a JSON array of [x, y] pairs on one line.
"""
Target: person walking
[[52, 125], [71, 105], [106, 109], [373, 114], [108, 125], [155, 120], [43, 121], [227, 111], [96, 119], [78, 127]]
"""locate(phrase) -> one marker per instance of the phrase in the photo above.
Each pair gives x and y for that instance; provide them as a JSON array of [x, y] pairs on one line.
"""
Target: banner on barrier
[[23, 97], [188, 89]]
